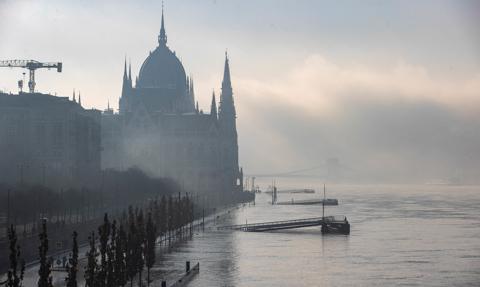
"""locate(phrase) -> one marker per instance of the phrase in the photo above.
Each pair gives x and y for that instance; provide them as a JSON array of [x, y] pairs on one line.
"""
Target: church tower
[[228, 128]]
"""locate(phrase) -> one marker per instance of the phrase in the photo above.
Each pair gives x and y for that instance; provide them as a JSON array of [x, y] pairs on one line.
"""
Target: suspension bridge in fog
[[323, 170]]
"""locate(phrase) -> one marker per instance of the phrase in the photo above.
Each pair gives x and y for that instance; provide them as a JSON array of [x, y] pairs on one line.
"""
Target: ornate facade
[[160, 130]]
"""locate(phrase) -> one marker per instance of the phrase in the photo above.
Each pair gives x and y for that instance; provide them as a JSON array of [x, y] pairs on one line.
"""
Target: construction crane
[[31, 65]]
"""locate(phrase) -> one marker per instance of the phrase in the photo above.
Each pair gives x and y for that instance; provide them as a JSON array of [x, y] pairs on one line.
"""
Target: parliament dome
[[162, 69]]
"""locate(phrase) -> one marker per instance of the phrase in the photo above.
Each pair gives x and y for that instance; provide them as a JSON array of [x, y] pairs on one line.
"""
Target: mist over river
[[401, 235]]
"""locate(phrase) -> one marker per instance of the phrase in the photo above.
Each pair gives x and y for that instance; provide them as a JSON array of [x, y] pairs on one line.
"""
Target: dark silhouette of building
[[160, 130], [48, 140]]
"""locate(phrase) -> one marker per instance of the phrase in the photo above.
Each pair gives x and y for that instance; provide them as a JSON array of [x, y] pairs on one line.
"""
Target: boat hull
[[336, 228]]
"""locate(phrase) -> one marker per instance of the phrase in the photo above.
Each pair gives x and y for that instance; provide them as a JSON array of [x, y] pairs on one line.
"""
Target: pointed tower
[[79, 99], [192, 92], [130, 74], [213, 107], [162, 38], [73, 97], [227, 112], [126, 89], [228, 130]]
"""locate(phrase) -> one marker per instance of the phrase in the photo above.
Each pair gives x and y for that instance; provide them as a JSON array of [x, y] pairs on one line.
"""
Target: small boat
[[330, 201], [333, 224], [342, 227]]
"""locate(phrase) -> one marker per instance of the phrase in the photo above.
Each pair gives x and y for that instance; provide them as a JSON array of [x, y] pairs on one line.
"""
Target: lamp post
[[44, 173], [8, 211]]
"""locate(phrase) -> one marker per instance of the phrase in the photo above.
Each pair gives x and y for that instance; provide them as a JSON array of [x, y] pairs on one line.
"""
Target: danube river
[[401, 236]]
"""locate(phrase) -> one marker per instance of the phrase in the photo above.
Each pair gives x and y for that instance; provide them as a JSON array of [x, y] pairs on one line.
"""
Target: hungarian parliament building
[[158, 129]]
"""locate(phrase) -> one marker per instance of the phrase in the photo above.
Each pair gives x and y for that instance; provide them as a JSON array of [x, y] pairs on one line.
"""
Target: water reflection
[[216, 252]]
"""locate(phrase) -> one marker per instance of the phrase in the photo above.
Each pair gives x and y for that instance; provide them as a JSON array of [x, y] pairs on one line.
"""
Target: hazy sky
[[391, 88]]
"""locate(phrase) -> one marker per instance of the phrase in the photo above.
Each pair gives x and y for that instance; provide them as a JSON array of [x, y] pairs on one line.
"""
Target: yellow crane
[[31, 65]]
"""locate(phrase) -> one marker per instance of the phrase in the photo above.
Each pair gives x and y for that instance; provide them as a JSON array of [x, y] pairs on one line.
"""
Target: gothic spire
[[79, 99], [192, 89], [227, 106], [130, 73], [162, 38], [213, 108], [127, 83], [73, 98], [226, 73], [125, 76]]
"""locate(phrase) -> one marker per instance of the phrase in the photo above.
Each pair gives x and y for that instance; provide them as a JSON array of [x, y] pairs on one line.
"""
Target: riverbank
[[165, 245]]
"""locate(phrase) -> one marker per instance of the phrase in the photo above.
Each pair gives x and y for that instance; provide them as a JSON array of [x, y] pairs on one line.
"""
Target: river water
[[400, 236]]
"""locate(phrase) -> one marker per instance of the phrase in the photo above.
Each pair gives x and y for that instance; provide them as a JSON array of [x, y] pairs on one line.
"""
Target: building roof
[[39, 101]]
